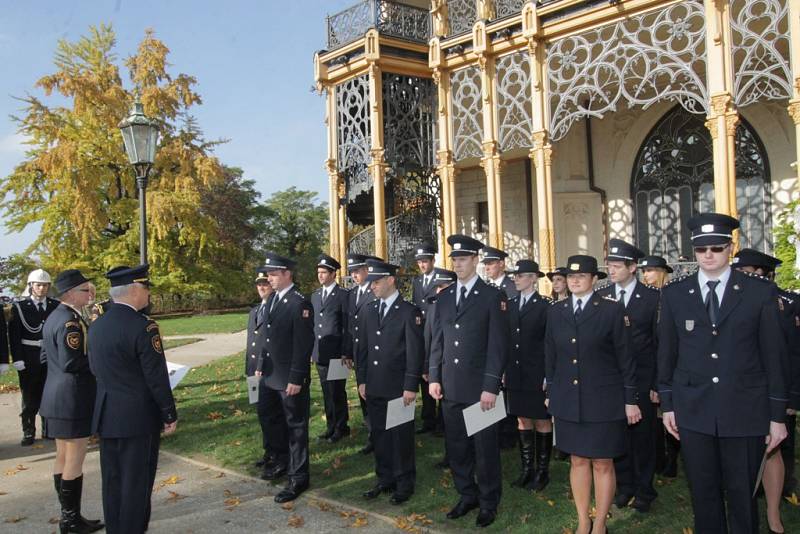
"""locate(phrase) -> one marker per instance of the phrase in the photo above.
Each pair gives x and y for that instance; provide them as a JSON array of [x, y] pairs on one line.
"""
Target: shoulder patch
[[418, 320], [74, 340], [69, 324], [627, 320], [156, 340], [306, 313], [503, 305], [152, 326]]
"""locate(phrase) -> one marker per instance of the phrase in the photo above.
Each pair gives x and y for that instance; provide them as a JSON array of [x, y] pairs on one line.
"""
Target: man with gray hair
[[134, 401]]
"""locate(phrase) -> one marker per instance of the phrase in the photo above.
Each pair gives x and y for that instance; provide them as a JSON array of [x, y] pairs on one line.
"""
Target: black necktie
[[260, 315], [382, 310], [359, 295], [274, 304], [522, 302], [622, 296], [462, 298], [712, 302], [578, 309], [41, 307], [324, 295]]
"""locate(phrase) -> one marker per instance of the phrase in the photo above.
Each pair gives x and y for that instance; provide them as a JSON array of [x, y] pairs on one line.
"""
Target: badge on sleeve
[[156, 339], [503, 305], [306, 314], [74, 340], [689, 325], [780, 304], [627, 320], [418, 320]]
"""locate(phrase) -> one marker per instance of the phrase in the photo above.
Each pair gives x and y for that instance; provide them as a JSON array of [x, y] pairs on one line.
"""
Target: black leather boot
[[526, 457], [71, 520], [28, 431], [57, 485], [544, 448]]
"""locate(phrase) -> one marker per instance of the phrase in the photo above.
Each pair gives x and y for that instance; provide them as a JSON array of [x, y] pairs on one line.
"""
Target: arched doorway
[[673, 179]]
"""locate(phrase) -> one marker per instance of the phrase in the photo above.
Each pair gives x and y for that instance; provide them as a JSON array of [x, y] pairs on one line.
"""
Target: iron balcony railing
[[393, 19]]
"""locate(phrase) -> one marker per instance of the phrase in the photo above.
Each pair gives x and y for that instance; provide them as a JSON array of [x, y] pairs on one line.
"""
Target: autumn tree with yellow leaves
[[76, 181]]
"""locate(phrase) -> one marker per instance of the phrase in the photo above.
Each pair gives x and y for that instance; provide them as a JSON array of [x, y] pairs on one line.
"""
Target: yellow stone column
[[446, 165], [722, 116], [491, 162], [377, 166], [342, 224], [794, 55], [333, 173]]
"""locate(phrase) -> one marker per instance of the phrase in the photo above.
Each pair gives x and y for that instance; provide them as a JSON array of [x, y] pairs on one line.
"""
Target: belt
[[32, 342]]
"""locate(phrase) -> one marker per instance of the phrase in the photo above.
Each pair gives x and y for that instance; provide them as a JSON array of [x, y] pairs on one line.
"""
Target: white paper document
[[398, 413], [176, 373], [252, 388], [476, 419], [337, 370]]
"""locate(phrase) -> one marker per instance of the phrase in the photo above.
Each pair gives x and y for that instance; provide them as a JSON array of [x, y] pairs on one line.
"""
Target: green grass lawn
[[203, 324], [216, 424], [10, 381]]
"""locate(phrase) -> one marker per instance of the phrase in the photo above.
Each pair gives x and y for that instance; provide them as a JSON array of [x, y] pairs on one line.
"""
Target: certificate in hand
[[176, 373], [252, 388], [398, 413], [476, 419], [337, 370]]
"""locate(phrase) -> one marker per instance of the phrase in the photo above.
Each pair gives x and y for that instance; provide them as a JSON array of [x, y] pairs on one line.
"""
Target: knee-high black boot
[[71, 520], [544, 448], [526, 454], [57, 485]]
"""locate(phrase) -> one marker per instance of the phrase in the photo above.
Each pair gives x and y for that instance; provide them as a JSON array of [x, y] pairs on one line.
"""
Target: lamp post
[[140, 135]]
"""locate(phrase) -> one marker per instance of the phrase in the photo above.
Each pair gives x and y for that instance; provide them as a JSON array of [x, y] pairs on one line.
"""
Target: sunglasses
[[715, 249]]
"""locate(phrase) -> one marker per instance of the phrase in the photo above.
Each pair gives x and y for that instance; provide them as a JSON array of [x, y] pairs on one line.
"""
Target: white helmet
[[39, 276]]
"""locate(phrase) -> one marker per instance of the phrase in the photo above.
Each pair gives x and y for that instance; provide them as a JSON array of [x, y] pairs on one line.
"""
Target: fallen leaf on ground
[[54, 520], [37, 446], [321, 505], [288, 506], [296, 521], [3, 493], [174, 496], [566, 530], [232, 502], [215, 415], [792, 499], [359, 522], [219, 475], [550, 502], [21, 467], [169, 481], [16, 519], [688, 530]]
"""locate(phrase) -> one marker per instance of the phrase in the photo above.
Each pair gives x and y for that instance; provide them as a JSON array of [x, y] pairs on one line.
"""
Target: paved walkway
[[189, 497]]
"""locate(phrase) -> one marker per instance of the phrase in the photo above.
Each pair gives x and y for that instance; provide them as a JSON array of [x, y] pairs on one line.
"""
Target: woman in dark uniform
[[591, 387], [559, 280], [524, 376], [68, 398]]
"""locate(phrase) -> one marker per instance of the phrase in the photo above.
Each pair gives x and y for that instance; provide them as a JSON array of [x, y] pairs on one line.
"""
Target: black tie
[[41, 307], [462, 298], [261, 310], [382, 310], [324, 295], [622, 297], [522, 302], [578, 309], [712, 302], [274, 304], [425, 282], [359, 295]]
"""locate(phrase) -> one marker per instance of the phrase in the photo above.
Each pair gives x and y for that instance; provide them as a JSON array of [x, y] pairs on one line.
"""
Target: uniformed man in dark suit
[[358, 297], [468, 358], [256, 339], [422, 289], [779, 470], [285, 365], [4, 361], [25, 338], [330, 342], [635, 470], [69, 396], [390, 353], [442, 279], [524, 376], [722, 372], [134, 401]]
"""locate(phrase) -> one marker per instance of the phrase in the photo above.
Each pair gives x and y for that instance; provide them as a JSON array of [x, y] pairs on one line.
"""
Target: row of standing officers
[[710, 348]]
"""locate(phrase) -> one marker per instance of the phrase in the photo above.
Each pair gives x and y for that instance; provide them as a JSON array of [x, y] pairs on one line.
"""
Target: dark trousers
[[474, 460], [263, 416], [128, 467], [635, 470], [31, 385], [394, 449], [720, 470], [334, 396], [431, 417], [287, 430]]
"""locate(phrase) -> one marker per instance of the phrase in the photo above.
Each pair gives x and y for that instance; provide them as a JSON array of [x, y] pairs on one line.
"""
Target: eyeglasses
[[715, 249]]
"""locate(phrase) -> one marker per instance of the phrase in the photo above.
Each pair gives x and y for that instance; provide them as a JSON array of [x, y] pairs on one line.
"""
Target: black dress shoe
[[399, 498], [265, 462], [461, 509], [273, 473], [485, 518], [27, 441], [291, 491], [376, 491], [336, 436], [641, 506], [622, 500], [367, 449]]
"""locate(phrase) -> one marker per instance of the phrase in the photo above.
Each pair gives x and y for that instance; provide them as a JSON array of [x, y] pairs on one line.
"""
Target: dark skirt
[[591, 440], [524, 403], [66, 428]]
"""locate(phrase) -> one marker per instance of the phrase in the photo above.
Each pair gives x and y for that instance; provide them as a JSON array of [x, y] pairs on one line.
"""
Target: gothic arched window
[[673, 179]]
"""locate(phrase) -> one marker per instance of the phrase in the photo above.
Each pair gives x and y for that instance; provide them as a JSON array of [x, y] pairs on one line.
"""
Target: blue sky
[[253, 61]]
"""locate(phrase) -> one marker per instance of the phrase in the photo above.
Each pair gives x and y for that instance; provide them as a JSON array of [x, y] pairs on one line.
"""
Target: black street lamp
[[140, 135]]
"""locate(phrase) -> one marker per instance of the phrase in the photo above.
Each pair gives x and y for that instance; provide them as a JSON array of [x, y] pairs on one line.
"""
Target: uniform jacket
[[133, 393], [354, 316], [525, 369], [330, 325], [726, 380], [389, 360], [69, 391], [789, 307], [507, 286], [591, 374], [25, 330], [285, 358], [256, 339], [420, 295], [642, 313], [470, 346], [4, 338], [427, 332]]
